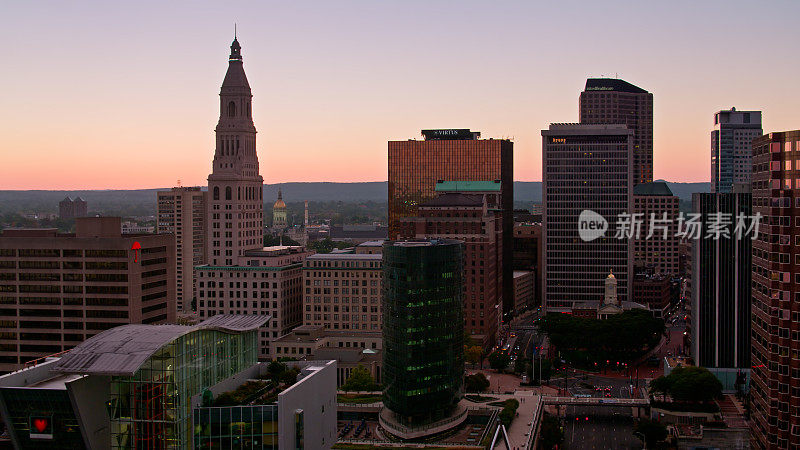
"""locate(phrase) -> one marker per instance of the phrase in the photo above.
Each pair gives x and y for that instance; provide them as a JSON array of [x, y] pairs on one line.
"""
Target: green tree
[[499, 360], [551, 434], [276, 368], [476, 383], [473, 354], [688, 384], [652, 431], [359, 380]]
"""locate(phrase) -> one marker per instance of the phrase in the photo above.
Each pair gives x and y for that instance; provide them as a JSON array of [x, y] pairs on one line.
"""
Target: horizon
[[332, 84]]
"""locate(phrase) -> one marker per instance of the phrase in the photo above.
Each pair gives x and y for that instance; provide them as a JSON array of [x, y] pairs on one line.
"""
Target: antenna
[[234, 31]]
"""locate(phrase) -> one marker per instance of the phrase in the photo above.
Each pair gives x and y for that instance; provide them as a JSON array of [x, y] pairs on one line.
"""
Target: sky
[[124, 95]]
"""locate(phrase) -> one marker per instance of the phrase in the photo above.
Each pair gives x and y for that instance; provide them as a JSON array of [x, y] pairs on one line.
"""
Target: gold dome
[[279, 203]]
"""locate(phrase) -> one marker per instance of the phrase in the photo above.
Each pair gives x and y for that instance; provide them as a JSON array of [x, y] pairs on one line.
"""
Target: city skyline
[[94, 98]]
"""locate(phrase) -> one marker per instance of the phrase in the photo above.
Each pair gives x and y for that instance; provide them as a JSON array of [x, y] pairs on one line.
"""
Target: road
[[599, 427]]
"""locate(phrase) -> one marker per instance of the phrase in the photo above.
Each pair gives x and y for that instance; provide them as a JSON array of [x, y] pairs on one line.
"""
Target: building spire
[[236, 49]]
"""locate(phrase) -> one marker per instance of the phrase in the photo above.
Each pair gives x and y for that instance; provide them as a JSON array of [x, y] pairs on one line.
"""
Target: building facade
[[731, 147], [527, 252], [423, 331], [182, 212], [265, 282], [343, 291], [775, 397], [235, 212], [70, 209], [587, 173], [721, 277], [524, 290], [658, 209], [469, 215], [615, 101], [451, 155], [57, 290]]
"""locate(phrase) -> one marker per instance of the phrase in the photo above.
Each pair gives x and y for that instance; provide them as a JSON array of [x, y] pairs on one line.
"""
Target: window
[[228, 193], [231, 109], [216, 192]]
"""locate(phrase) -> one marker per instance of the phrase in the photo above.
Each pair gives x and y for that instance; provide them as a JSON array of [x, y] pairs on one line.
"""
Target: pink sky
[[100, 95]]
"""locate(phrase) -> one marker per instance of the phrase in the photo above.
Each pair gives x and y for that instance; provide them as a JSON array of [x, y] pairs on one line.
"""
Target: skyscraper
[[182, 212], [235, 211], [452, 155], [775, 395], [720, 303], [615, 101], [423, 333], [731, 147], [587, 169], [654, 201]]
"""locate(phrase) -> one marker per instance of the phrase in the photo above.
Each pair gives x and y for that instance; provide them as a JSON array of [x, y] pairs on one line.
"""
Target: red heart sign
[[40, 424]]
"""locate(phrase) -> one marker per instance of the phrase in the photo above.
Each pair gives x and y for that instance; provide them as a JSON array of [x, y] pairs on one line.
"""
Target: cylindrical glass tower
[[423, 328]]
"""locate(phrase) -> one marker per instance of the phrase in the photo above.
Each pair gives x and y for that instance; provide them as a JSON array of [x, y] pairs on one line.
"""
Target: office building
[[653, 290], [58, 289], [451, 155], [658, 209], [140, 386], [731, 148], [182, 212], [235, 211], [527, 252], [263, 282], [423, 334], [587, 176], [342, 291], [774, 393], [524, 290], [615, 101], [70, 209], [721, 274], [466, 211]]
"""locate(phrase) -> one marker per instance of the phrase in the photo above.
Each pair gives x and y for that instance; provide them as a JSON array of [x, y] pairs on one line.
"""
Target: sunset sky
[[124, 95]]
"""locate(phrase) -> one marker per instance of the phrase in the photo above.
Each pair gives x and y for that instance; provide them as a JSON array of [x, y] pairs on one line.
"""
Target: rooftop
[[423, 242], [652, 188], [455, 199], [612, 84], [122, 350], [345, 257], [468, 186]]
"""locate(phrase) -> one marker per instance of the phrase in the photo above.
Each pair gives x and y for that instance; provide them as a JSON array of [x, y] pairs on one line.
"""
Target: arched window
[[216, 192], [228, 193], [239, 194], [231, 109]]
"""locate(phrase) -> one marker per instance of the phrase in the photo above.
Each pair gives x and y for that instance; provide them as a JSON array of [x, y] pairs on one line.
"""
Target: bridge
[[592, 401]]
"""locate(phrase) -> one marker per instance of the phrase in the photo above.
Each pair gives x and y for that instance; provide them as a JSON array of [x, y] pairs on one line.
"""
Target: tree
[[289, 376], [688, 384], [551, 434], [476, 383], [499, 360], [520, 364], [359, 380], [276, 368], [473, 354], [652, 431]]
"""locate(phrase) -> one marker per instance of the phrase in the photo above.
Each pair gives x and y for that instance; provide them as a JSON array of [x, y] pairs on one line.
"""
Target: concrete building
[[235, 212], [528, 251], [775, 397], [658, 209], [348, 348], [720, 333], [343, 291], [358, 234], [587, 178], [182, 212], [615, 101], [263, 282], [56, 290], [468, 211], [139, 386], [128, 227], [70, 209], [524, 290], [731, 148], [451, 155]]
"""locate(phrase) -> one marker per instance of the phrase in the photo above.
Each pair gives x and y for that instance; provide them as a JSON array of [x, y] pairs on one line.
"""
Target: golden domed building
[[279, 213]]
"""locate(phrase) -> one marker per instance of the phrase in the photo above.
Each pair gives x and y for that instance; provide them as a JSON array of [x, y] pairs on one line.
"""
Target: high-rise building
[[587, 176], [423, 334], [731, 147], [70, 209], [56, 290], [659, 212], [451, 155], [528, 251], [235, 188], [775, 397], [720, 303], [181, 211], [466, 211], [342, 291], [615, 101]]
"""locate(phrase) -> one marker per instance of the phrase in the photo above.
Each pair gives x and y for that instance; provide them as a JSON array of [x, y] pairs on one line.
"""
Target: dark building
[[732, 148], [720, 333], [775, 393], [423, 329], [656, 291], [615, 101], [452, 155], [70, 209], [472, 216], [528, 250]]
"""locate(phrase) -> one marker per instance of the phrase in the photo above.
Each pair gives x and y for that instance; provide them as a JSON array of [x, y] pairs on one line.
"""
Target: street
[[599, 427]]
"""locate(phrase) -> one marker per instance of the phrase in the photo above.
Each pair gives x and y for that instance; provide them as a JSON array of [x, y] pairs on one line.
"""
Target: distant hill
[[143, 201]]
